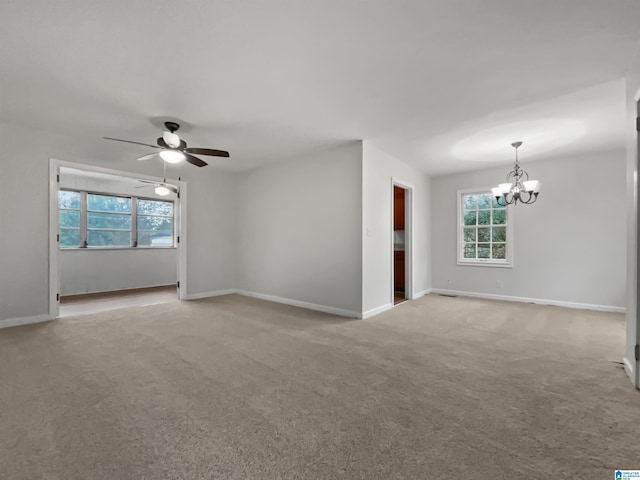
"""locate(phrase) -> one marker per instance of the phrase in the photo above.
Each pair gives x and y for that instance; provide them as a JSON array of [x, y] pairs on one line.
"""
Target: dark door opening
[[399, 257]]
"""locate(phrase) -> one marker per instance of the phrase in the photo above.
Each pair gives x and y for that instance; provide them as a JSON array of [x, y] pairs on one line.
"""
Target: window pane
[[470, 218], [155, 239], [484, 200], [499, 217], [69, 237], [469, 234], [109, 220], [470, 250], [484, 250], [469, 202], [499, 250], [109, 238], [484, 234], [69, 200], [106, 203], [152, 207], [484, 217], [69, 218], [157, 224], [499, 234]]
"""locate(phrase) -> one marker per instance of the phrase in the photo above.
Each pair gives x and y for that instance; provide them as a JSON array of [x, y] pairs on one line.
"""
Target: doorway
[[88, 182], [401, 243]]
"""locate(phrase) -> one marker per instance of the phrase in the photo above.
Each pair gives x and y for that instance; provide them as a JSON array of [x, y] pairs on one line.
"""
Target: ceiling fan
[[162, 188], [173, 149]]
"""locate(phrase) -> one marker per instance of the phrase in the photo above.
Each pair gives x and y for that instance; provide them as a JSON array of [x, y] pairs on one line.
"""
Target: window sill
[[485, 264]]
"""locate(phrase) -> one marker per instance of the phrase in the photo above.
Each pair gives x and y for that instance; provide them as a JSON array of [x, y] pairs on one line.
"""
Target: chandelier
[[518, 187]]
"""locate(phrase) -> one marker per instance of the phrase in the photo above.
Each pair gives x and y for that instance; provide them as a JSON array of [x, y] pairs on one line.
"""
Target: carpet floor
[[239, 388]]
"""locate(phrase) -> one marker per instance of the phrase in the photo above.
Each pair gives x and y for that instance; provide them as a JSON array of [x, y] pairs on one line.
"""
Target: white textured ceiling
[[440, 84]]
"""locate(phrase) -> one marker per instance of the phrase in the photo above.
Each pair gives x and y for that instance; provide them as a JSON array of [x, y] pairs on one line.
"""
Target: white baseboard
[[297, 303], [421, 293], [216, 293], [539, 301], [14, 322], [628, 368], [377, 310]]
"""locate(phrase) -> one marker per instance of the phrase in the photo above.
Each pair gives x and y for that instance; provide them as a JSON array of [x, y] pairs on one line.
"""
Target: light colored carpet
[[239, 388]]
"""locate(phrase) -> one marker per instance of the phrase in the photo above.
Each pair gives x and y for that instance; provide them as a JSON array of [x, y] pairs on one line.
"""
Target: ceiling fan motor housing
[[172, 126]]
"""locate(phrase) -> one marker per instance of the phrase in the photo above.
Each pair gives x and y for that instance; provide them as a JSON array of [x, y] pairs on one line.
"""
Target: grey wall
[[86, 270], [632, 316], [24, 214], [568, 247], [299, 236], [377, 172]]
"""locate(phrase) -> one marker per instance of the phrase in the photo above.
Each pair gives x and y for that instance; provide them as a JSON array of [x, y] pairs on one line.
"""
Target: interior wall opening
[[401, 242], [116, 240]]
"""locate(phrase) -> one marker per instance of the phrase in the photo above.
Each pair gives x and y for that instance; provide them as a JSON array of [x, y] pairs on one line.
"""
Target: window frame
[[133, 244], [482, 262]]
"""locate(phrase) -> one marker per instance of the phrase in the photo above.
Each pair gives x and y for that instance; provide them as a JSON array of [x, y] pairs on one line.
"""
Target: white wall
[[568, 247], [299, 234], [633, 317], [24, 214], [378, 169]]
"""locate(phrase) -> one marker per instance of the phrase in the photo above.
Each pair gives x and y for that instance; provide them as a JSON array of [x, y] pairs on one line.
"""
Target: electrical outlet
[[499, 284], [450, 282]]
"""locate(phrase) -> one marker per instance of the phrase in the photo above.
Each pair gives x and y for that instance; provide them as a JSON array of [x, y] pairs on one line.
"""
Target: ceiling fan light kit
[[162, 190], [518, 187], [172, 156]]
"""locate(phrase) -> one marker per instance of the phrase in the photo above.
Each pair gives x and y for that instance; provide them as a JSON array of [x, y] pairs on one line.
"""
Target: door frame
[[408, 239], [54, 250]]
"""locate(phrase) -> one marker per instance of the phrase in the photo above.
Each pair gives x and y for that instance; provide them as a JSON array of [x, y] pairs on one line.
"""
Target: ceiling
[[444, 85]]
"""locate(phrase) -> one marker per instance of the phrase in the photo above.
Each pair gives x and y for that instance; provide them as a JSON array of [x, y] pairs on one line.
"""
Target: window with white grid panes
[[483, 230]]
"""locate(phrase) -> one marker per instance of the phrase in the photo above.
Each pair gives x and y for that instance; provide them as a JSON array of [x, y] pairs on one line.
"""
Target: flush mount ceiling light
[[518, 187]]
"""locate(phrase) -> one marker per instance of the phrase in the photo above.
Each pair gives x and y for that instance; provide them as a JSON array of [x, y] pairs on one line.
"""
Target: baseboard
[[421, 293], [14, 322], [297, 303], [539, 301], [216, 293], [377, 310], [628, 368]]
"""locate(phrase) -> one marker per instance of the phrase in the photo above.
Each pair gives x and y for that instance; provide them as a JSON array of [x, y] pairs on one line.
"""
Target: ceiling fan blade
[[207, 151], [195, 160], [164, 144], [147, 157], [130, 141]]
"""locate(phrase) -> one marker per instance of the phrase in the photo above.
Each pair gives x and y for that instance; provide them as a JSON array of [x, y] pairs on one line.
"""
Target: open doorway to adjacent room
[[115, 241], [401, 271]]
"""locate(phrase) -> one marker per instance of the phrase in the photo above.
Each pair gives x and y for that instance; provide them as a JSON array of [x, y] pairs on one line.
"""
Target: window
[[155, 223], [69, 206], [484, 230], [108, 221], [98, 220]]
